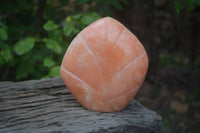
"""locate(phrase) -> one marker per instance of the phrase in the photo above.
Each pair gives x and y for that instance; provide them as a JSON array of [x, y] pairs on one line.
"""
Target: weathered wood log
[[48, 106]]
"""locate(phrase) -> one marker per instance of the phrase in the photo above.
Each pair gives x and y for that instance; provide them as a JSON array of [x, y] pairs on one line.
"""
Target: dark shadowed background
[[35, 34]]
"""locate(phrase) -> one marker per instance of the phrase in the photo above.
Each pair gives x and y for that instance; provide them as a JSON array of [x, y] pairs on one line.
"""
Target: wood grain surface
[[40, 106]]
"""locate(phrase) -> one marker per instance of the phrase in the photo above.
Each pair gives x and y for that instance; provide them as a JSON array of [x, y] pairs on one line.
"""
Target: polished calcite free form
[[104, 66]]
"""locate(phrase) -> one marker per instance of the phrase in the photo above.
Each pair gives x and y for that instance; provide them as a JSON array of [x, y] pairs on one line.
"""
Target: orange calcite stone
[[104, 66]]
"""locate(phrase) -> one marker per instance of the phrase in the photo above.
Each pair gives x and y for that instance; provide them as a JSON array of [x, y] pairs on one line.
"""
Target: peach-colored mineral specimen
[[104, 66]]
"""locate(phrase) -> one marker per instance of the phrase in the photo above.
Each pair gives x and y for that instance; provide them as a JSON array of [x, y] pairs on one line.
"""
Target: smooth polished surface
[[104, 66]]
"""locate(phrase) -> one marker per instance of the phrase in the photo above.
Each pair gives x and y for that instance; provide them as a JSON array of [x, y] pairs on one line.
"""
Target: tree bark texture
[[48, 106]]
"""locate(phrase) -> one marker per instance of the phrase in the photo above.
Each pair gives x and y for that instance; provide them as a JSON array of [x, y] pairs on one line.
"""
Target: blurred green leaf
[[69, 29], [118, 6], [166, 59], [48, 62], [40, 52], [190, 8], [165, 122], [24, 46], [55, 71], [68, 19], [50, 25], [5, 53], [24, 69], [76, 16], [3, 34], [191, 4], [56, 35], [53, 45], [89, 18], [178, 6]]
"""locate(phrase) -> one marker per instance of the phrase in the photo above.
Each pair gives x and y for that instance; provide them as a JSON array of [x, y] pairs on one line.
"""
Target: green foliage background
[[188, 5], [34, 35]]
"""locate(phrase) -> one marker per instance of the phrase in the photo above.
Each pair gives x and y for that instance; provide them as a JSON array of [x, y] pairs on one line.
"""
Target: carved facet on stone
[[104, 66]]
